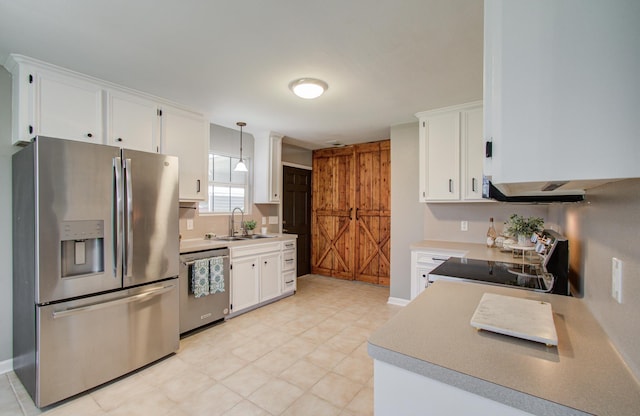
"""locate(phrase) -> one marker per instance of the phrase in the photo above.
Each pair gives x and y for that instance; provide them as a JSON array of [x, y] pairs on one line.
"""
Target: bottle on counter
[[491, 234]]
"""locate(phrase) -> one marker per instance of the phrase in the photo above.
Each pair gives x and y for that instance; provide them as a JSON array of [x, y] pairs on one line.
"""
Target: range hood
[[537, 192]]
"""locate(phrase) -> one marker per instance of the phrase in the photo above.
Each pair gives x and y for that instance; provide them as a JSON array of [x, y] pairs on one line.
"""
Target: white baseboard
[[6, 366], [398, 301]]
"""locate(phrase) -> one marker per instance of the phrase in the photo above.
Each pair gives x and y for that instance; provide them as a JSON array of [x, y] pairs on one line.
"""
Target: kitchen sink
[[256, 236], [243, 237], [229, 238]]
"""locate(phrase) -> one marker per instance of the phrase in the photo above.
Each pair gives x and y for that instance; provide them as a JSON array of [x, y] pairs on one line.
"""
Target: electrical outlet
[[264, 220], [616, 279], [464, 225], [273, 219], [189, 224]]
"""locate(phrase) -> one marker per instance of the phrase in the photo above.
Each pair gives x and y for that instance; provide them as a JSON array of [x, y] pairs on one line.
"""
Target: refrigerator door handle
[[128, 258], [118, 212], [127, 299]]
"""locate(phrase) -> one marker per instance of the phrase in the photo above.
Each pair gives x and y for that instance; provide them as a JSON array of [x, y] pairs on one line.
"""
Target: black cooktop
[[492, 272]]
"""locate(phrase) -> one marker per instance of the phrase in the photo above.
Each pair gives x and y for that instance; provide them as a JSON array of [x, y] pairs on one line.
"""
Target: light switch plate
[[616, 279], [189, 224], [464, 226]]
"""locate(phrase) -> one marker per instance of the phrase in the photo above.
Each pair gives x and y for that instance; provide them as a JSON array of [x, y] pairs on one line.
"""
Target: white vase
[[524, 240]]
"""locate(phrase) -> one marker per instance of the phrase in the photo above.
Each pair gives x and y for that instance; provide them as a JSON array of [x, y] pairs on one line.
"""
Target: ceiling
[[232, 60]]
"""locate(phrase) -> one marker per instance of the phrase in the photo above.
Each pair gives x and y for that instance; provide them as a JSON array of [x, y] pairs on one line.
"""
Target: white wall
[[609, 226], [406, 212], [6, 278], [297, 155], [442, 221]]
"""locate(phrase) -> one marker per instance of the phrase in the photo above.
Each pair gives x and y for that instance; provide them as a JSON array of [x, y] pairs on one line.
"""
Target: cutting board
[[517, 317]]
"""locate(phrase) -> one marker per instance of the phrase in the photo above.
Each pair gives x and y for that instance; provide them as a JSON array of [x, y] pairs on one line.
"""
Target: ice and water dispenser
[[82, 248]]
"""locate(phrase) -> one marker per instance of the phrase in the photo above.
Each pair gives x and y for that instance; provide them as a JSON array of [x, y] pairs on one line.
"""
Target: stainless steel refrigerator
[[95, 264]]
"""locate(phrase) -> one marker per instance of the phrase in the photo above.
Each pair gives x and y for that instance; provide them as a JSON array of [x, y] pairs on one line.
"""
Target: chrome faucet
[[232, 228]]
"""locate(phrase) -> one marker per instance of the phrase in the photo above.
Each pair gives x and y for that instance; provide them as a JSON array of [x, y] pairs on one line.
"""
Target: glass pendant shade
[[241, 166]]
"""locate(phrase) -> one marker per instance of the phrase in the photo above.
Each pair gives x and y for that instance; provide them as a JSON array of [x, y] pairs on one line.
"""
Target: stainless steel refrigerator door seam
[[119, 213], [128, 264], [119, 301]]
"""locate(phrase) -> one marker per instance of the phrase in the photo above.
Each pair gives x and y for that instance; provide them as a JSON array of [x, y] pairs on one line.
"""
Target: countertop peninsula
[[432, 337]]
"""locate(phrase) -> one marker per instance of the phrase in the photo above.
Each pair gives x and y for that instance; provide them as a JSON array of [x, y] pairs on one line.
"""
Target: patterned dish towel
[[216, 275], [200, 278]]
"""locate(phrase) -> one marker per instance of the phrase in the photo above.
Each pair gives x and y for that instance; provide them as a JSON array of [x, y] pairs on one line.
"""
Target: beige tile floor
[[303, 355]]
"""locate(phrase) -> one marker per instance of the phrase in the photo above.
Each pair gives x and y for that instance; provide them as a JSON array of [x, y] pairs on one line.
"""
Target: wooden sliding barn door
[[373, 212], [332, 226]]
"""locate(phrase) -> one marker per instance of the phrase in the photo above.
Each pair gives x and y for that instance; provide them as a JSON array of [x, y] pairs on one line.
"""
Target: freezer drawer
[[87, 342]]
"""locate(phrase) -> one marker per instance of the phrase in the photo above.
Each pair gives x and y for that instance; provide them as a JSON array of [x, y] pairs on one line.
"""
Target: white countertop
[[470, 251], [198, 244], [432, 336]]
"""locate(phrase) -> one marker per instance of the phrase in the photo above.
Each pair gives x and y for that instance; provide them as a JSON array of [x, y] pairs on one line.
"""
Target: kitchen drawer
[[289, 281], [254, 249], [289, 245], [431, 258], [289, 260]]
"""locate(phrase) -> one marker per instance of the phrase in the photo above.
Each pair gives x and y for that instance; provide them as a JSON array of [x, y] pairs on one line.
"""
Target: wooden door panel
[[343, 248], [373, 210], [321, 247]]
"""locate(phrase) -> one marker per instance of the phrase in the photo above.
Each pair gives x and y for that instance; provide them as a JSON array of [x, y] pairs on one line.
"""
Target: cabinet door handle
[[473, 184], [451, 185], [198, 185], [357, 217], [350, 210], [488, 149]]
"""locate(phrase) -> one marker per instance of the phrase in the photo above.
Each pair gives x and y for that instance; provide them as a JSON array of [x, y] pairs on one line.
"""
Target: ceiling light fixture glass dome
[[308, 88]]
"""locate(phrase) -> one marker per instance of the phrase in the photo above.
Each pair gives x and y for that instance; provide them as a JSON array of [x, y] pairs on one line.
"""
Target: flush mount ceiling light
[[241, 167], [308, 88]]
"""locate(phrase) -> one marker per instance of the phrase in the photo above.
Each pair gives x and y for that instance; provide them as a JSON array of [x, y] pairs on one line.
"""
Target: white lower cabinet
[[261, 273], [423, 262], [289, 273], [270, 276], [245, 289]]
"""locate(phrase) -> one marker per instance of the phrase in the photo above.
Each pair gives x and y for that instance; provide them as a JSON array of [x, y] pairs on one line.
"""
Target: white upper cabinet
[[133, 122], [561, 92], [451, 154], [472, 151], [441, 156], [51, 103], [186, 135], [267, 165]]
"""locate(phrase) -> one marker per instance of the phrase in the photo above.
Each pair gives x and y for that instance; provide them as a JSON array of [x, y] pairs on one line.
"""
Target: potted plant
[[249, 225], [522, 228]]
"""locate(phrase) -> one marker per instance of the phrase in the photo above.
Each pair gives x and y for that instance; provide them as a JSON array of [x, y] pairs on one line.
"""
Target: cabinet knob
[[119, 139], [89, 135]]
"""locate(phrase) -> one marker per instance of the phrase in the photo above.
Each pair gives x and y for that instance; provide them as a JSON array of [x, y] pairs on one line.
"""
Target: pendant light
[[241, 167]]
